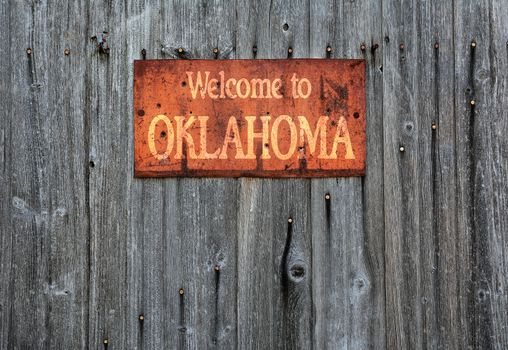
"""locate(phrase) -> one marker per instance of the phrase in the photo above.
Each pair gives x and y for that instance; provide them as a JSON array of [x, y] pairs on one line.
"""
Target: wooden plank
[[481, 164], [493, 165], [200, 224], [274, 256], [44, 235], [258, 274], [147, 291], [469, 26], [369, 319], [6, 327], [436, 151], [347, 215], [401, 176], [110, 180]]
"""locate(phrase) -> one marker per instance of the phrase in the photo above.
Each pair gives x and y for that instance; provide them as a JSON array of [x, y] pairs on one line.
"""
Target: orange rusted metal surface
[[258, 118]]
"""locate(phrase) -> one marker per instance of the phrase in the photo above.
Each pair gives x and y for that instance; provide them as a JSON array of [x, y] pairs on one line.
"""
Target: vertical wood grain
[[44, 212], [202, 236], [401, 176], [441, 301], [110, 173], [146, 314], [413, 255], [347, 215], [274, 255], [494, 159], [481, 164]]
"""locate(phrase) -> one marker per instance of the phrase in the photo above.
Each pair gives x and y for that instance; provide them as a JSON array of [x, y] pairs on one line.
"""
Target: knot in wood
[[482, 295], [360, 285], [297, 272]]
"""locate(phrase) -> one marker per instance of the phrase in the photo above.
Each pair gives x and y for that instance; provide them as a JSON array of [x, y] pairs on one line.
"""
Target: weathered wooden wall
[[412, 256]]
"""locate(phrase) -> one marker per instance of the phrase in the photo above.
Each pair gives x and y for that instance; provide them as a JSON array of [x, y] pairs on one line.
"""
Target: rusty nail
[[328, 48], [436, 45], [105, 341], [180, 50], [327, 196], [401, 46], [473, 44], [290, 220], [181, 291], [216, 268], [434, 126], [402, 149], [141, 317], [67, 52], [28, 51], [362, 47], [290, 50], [473, 102]]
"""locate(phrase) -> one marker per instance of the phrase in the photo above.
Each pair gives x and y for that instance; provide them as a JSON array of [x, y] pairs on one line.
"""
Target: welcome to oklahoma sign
[[261, 118]]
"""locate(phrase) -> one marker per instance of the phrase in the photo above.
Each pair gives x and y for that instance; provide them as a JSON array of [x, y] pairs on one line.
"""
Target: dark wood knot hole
[[297, 272]]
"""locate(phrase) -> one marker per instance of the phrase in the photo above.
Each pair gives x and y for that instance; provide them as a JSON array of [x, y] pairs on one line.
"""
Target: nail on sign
[[258, 118]]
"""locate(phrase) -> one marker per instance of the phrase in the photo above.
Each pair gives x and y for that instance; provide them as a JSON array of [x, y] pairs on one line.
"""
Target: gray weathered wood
[[347, 257], [44, 216], [411, 256], [436, 153], [401, 177], [274, 256], [481, 167]]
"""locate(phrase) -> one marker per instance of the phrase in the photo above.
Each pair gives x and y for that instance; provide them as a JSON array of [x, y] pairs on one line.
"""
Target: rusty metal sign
[[259, 118]]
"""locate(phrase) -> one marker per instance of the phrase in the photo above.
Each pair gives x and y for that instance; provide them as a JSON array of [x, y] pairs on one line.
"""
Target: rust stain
[[256, 118]]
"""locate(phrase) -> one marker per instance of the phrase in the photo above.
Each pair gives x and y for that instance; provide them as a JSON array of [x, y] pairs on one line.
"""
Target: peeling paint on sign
[[259, 118]]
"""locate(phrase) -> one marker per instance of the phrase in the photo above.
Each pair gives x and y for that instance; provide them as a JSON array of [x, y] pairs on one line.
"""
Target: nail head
[[473, 102], [401, 46], [327, 196], [402, 149], [436, 45], [434, 126], [180, 49], [141, 317], [328, 49], [181, 291], [28, 51], [290, 50], [215, 50], [473, 44], [362, 47], [216, 268], [290, 220], [105, 341], [67, 52]]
